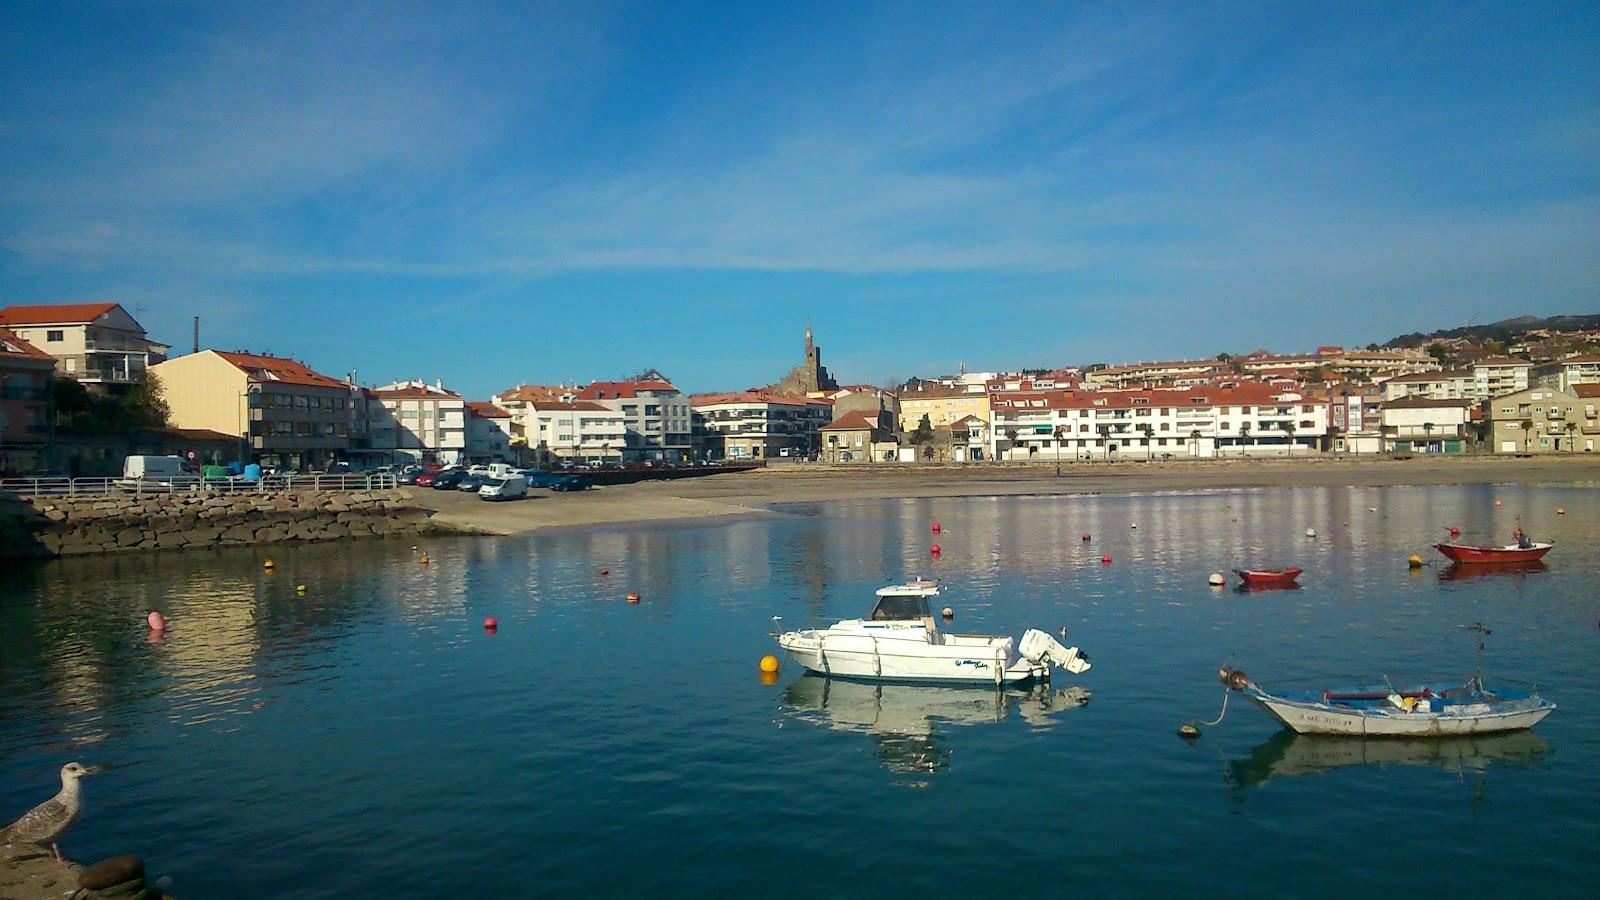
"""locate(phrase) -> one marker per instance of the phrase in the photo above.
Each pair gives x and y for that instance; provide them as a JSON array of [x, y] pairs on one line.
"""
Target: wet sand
[[754, 492]]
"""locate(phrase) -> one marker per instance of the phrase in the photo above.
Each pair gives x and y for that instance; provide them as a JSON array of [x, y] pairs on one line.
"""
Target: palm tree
[[1060, 431], [1244, 435], [1288, 431], [1572, 442], [1194, 442], [1148, 430], [1527, 435], [1105, 437], [1427, 432]]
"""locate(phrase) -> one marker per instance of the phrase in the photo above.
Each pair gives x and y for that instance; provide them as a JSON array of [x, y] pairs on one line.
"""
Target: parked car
[[479, 469], [411, 476], [424, 479], [572, 483], [538, 479], [512, 487], [448, 480], [470, 482]]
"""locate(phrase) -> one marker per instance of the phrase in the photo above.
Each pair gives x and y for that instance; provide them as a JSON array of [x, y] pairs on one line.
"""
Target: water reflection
[[1287, 754], [907, 723], [1459, 572]]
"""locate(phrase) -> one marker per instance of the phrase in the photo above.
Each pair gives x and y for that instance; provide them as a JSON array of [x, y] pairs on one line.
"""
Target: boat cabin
[[905, 602]]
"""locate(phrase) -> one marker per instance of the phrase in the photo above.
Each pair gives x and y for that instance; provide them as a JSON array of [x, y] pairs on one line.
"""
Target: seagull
[[47, 822]]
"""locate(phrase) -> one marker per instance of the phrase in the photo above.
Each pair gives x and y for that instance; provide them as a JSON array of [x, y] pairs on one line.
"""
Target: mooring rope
[[1225, 693]]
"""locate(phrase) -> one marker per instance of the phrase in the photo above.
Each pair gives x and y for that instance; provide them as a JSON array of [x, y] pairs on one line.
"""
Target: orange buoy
[[769, 663], [633, 597]]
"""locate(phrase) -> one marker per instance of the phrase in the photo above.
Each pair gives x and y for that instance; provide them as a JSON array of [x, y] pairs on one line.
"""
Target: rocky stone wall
[[60, 526]]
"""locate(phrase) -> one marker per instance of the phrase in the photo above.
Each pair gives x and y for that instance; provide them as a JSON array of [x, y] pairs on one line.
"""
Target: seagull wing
[[45, 822]]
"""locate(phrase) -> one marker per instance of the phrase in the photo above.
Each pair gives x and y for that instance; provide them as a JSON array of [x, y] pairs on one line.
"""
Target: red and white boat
[[1268, 577], [1510, 553]]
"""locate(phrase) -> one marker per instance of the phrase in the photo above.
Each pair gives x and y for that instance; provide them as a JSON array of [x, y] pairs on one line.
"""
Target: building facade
[[284, 413], [420, 423], [1454, 384], [762, 424], [1427, 425], [1248, 420], [582, 431], [857, 436], [1499, 375], [1542, 420], [488, 433], [25, 375], [98, 344], [656, 417], [1569, 372], [942, 404]]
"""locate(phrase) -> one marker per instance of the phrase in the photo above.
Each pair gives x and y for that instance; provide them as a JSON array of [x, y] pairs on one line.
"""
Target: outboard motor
[[1042, 649]]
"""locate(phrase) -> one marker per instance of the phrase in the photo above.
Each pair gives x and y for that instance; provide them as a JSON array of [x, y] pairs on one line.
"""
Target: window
[[54, 336]]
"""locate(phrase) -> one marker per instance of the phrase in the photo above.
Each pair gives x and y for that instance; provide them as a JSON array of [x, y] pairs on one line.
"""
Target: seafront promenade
[[755, 492]]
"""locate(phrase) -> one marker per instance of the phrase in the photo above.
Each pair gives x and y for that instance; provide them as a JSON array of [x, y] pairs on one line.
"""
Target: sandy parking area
[[751, 492]]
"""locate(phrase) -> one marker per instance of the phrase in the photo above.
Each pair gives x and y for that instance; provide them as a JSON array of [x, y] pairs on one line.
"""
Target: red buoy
[[605, 571], [490, 624], [1084, 536], [936, 549], [1454, 531], [937, 528], [633, 597], [1105, 560]]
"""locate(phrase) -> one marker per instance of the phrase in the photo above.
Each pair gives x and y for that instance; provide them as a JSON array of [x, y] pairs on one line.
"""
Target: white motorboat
[[900, 640]]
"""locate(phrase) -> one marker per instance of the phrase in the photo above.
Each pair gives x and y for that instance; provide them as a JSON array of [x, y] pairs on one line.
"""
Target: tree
[[1011, 435], [1439, 352], [1527, 435], [1194, 442], [1060, 431], [1244, 435], [1148, 430], [1288, 431], [924, 431], [1572, 442], [1427, 431], [1105, 436]]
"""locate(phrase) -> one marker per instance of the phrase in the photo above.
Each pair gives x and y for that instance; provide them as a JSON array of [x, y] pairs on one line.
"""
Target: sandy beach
[[756, 491]]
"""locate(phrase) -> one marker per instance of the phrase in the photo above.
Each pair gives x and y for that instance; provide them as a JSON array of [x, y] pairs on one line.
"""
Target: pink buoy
[[1084, 536], [491, 623], [157, 621], [633, 597], [936, 549], [1105, 560], [937, 528], [1497, 503]]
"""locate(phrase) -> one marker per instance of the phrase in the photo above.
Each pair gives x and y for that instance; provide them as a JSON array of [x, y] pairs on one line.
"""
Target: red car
[[426, 479]]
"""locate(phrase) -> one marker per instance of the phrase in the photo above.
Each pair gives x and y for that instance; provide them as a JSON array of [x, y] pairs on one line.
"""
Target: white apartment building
[[762, 424], [1564, 374], [1455, 384], [95, 343], [581, 431], [656, 417], [1498, 376], [488, 432], [1248, 420], [1426, 425], [419, 422]]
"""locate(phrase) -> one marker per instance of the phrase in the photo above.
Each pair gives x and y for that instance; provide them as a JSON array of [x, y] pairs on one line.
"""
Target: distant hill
[[1504, 331]]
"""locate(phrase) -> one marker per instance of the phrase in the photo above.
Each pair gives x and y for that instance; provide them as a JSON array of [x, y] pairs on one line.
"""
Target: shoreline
[[767, 491]]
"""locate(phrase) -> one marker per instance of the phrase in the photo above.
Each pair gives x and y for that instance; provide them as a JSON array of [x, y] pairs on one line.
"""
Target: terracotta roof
[[528, 393], [415, 393], [13, 347], [852, 421], [1427, 403], [577, 406], [487, 410], [1582, 359], [1248, 394], [967, 422], [1501, 361], [55, 313], [614, 390], [758, 396], [277, 369], [1586, 391], [199, 434]]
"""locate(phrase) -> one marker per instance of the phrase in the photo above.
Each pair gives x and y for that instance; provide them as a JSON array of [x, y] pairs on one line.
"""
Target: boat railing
[[186, 484], [1386, 683]]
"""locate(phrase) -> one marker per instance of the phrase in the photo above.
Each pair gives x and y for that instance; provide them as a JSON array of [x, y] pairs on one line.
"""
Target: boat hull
[[863, 657], [1262, 578], [1471, 555], [1483, 718]]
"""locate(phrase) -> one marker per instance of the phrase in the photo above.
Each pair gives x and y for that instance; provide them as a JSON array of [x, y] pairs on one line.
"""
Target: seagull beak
[[93, 770]]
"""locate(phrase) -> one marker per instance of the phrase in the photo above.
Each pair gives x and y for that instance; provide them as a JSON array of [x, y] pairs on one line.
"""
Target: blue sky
[[502, 193]]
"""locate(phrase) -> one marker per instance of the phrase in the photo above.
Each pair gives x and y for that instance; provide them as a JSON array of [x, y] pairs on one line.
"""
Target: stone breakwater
[[60, 526]]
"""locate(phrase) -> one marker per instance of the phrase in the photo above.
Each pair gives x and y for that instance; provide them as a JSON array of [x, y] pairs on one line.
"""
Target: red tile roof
[[55, 313], [612, 390], [1501, 361], [270, 369], [756, 396], [1587, 391], [486, 410], [576, 406], [1247, 394], [13, 347], [528, 393], [416, 393], [852, 421], [1426, 403]]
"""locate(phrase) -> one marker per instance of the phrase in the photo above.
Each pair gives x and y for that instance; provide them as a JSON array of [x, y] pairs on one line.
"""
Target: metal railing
[[191, 484]]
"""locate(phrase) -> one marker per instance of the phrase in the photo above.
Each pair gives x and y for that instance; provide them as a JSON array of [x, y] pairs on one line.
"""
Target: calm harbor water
[[369, 739]]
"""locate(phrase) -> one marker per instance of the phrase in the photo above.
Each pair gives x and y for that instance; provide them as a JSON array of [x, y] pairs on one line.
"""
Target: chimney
[[197, 334]]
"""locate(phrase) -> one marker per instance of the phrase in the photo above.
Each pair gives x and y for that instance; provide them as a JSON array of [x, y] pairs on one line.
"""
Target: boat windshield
[[900, 609]]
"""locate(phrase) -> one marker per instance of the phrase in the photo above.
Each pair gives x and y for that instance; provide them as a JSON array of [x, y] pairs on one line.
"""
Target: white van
[[501, 470], [513, 487], [152, 467]]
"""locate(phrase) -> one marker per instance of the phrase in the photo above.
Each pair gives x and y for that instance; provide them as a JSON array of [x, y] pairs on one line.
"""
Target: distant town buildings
[[97, 344], [761, 424], [25, 373], [419, 422]]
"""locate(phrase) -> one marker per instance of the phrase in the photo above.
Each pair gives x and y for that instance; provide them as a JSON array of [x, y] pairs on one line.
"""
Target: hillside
[[1504, 331]]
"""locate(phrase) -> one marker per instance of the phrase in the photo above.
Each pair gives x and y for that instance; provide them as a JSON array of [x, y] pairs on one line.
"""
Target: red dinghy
[[1510, 553], [1269, 577]]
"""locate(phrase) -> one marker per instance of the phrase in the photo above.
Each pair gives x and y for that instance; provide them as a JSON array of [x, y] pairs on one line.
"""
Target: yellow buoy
[[769, 663], [299, 589], [1415, 561], [423, 559], [267, 564], [1561, 511]]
